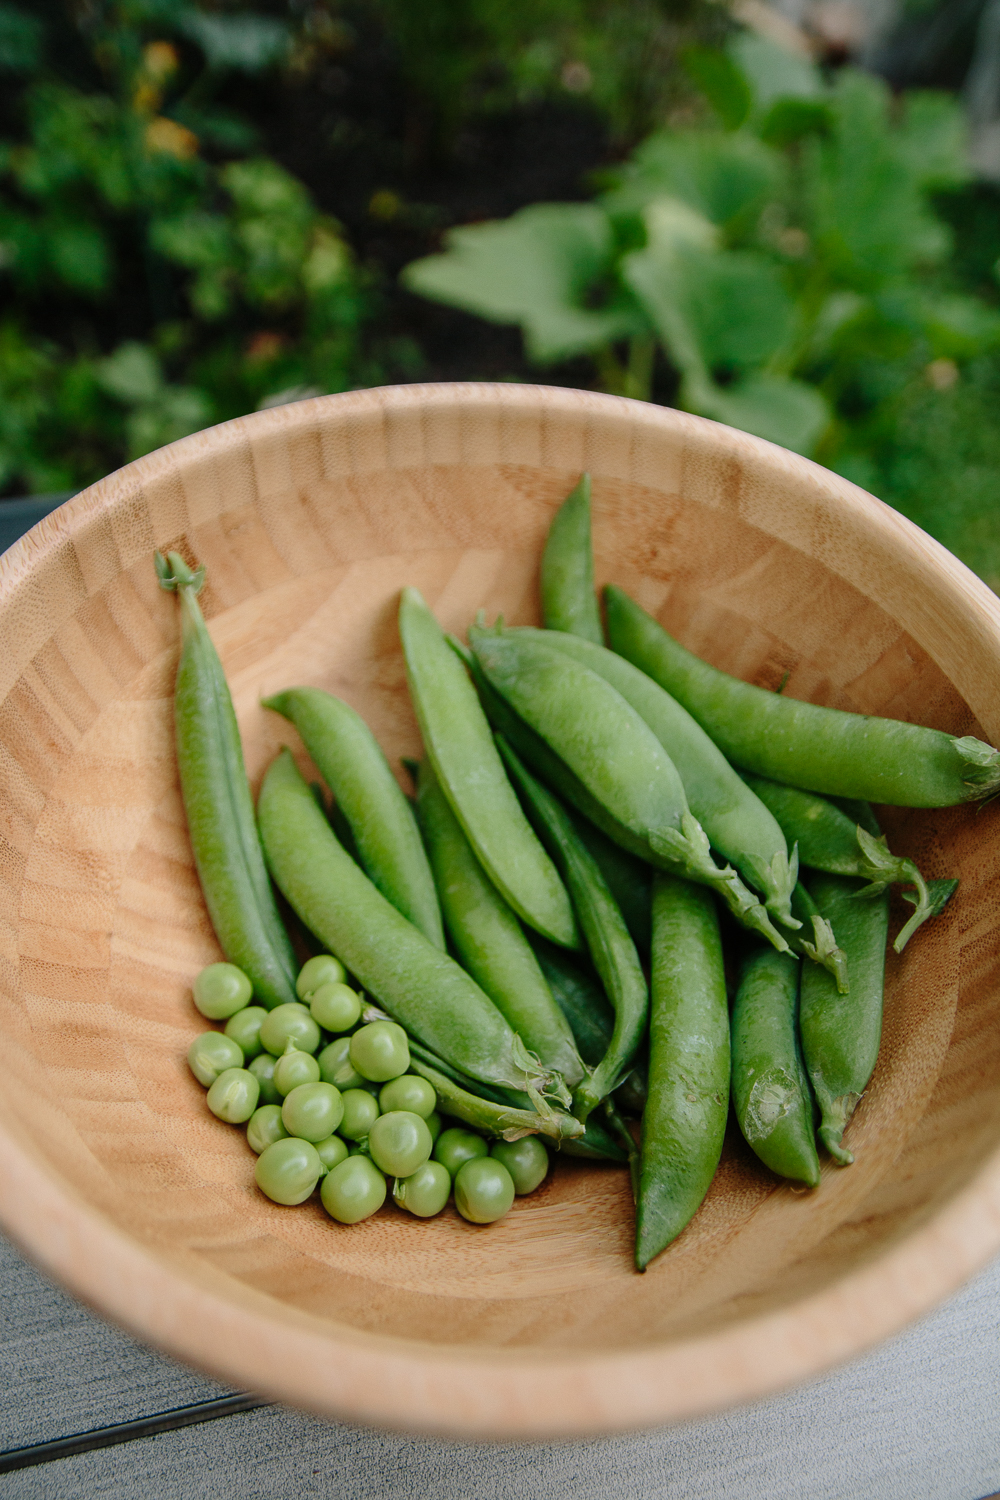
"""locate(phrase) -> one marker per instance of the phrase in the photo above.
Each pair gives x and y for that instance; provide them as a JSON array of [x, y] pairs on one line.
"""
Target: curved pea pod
[[829, 839], [595, 1145], [488, 937], [422, 988], [611, 948], [460, 746], [685, 1117], [841, 1033], [568, 598], [586, 1007], [739, 824], [802, 744], [218, 804], [613, 753], [494, 1118], [771, 1096], [629, 878], [369, 798]]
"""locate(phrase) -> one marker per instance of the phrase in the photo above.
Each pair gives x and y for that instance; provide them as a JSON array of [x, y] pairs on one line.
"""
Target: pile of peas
[[330, 1102]]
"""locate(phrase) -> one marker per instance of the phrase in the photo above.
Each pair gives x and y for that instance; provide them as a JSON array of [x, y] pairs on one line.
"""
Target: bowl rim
[[206, 1318]]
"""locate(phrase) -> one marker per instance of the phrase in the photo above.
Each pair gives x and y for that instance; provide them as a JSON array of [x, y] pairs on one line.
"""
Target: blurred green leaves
[[784, 252]]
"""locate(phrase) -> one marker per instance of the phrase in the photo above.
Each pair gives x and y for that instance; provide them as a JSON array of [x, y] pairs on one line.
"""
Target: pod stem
[[777, 881], [624, 1136], [175, 575], [497, 1119], [689, 853], [826, 952], [982, 767], [836, 1113], [881, 868]]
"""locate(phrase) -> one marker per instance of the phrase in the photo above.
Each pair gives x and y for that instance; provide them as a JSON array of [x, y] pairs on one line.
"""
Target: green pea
[[293, 1069], [360, 1113], [434, 1124], [233, 1096], [265, 1127], [221, 990], [211, 1054], [380, 1051], [526, 1160], [288, 1170], [244, 1030], [408, 1092], [262, 1069], [336, 1007], [323, 969], [331, 1152], [289, 1023], [455, 1147], [312, 1111], [425, 1192], [353, 1191], [399, 1142], [335, 1065], [484, 1190]]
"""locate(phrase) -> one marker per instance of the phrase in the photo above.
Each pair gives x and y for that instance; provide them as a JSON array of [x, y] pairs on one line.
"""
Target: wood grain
[[310, 519]]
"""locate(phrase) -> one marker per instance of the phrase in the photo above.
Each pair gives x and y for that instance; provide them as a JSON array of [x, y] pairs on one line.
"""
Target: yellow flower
[[173, 139]]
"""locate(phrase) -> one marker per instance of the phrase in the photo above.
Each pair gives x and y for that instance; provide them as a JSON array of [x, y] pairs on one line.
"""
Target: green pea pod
[[771, 1096], [611, 749], [595, 1145], [820, 945], [802, 744], [828, 839], [423, 989], [489, 939], [685, 1118], [460, 746], [629, 878], [841, 1034], [739, 824], [219, 806], [585, 1006], [568, 598], [369, 798], [611, 948], [503, 1120]]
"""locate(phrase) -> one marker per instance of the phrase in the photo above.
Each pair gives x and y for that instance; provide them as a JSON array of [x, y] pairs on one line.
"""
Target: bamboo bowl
[[115, 1178]]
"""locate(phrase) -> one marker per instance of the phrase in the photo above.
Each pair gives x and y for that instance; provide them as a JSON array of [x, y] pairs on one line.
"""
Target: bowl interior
[[309, 523]]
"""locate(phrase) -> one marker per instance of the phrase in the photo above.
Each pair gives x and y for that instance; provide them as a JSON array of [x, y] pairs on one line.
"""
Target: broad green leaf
[[132, 374], [720, 176], [722, 82], [20, 40], [782, 411], [932, 139], [244, 42], [537, 269], [737, 305], [772, 71]]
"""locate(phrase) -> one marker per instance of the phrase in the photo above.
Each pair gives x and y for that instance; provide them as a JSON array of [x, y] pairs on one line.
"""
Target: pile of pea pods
[[629, 893]]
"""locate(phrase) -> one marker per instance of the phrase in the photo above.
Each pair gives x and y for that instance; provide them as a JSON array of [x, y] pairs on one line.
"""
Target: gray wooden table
[[918, 1419]]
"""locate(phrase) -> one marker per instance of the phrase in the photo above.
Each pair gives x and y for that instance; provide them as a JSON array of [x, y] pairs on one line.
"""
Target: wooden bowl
[[115, 1178]]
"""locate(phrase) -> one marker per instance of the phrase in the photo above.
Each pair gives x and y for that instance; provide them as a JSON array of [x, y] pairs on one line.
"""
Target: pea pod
[[461, 749], [802, 744], [488, 937], [369, 798], [740, 825], [595, 1145], [771, 1097], [568, 598], [218, 804], [613, 752], [421, 987], [611, 948], [629, 878], [503, 1120], [685, 1118], [841, 1033], [583, 1002], [828, 839]]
